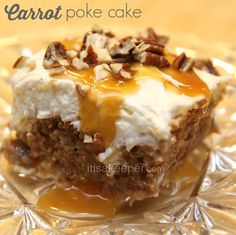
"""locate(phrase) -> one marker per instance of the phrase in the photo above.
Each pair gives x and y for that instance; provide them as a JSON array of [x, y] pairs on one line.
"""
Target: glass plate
[[198, 197]]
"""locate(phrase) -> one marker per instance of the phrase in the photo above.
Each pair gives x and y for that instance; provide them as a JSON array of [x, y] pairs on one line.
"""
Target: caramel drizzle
[[99, 108]]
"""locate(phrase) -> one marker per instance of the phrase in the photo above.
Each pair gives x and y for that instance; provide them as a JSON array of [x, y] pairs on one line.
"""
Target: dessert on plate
[[120, 113]]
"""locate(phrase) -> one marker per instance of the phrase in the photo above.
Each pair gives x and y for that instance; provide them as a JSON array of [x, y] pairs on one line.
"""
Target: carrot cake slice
[[121, 113]]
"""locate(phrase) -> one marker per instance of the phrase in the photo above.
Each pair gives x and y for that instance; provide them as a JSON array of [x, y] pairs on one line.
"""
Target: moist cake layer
[[57, 147], [111, 102]]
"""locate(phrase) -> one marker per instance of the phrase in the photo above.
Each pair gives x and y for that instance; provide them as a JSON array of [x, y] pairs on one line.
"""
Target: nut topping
[[72, 54], [183, 63], [101, 72], [55, 58], [148, 58], [24, 61], [82, 89], [103, 55], [121, 70], [91, 58], [124, 48], [206, 65], [109, 55], [79, 64], [150, 36]]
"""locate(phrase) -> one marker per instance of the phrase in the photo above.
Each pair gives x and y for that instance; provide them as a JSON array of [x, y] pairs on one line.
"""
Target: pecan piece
[[124, 48], [100, 30], [206, 65], [148, 58], [101, 72], [183, 63], [55, 56], [20, 62], [56, 69], [79, 64], [103, 55], [95, 40], [24, 61], [160, 39], [121, 70], [150, 36], [82, 90], [72, 54], [149, 47], [156, 49], [91, 57], [123, 58]]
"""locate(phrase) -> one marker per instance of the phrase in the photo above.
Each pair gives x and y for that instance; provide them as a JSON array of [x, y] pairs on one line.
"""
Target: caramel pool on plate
[[87, 200]]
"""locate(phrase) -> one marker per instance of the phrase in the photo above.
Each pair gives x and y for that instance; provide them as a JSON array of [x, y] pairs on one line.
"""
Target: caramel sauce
[[84, 199], [99, 109], [70, 43], [193, 85], [186, 169], [87, 200]]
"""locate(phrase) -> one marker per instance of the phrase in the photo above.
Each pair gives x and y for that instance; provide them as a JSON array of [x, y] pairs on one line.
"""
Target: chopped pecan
[[124, 48], [24, 61], [149, 46], [187, 65], [77, 47], [83, 54], [156, 49], [79, 64], [103, 55], [115, 68], [91, 57], [56, 69], [178, 61], [72, 54], [100, 30], [206, 65], [148, 58], [97, 29], [82, 90], [109, 34], [97, 137], [121, 70], [150, 36], [88, 139], [183, 63], [95, 40], [20, 62], [55, 56], [123, 58], [101, 72], [160, 39]]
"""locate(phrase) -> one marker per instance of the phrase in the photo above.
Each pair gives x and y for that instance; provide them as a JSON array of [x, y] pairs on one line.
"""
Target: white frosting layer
[[37, 95], [145, 117]]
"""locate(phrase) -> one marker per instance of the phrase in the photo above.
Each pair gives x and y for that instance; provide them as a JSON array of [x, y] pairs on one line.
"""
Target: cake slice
[[120, 113]]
